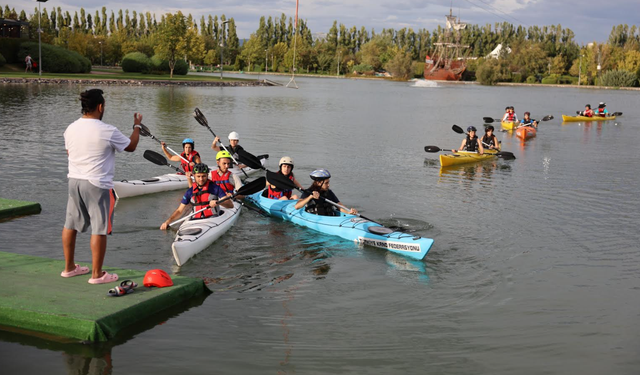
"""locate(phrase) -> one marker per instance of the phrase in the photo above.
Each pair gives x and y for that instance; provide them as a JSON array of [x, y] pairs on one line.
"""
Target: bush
[[9, 48], [550, 80], [488, 72], [364, 68], [418, 69], [56, 59], [136, 62], [2, 60], [618, 78], [532, 79], [516, 77]]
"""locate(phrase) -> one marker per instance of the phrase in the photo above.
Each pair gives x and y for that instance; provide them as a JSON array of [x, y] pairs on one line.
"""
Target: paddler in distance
[[286, 169], [233, 147], [320, 189], [588, 112], [528, 121], [202, 194], [602, 110], [471, 143], [188, 153]]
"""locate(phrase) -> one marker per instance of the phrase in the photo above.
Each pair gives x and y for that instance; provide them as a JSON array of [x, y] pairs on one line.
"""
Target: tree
[[171, 44], [400, 65]]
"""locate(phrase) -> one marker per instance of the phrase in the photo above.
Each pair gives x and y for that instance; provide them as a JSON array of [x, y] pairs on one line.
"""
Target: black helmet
[[472, 128], [490, 127], [201, 168]]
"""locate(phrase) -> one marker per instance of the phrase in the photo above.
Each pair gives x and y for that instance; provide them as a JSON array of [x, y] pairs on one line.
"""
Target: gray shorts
[[89, 205]]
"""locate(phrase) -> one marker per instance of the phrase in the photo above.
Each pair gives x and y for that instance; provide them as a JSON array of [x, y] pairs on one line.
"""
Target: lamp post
[[580, 71], [222, 45], [100, 53], [40, 37]]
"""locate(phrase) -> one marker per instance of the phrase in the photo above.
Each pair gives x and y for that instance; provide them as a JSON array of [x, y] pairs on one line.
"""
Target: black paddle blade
[[197, 114], [253, 186], [457, 129], [280, 181], [488, 120], [506, 155], [249, 160], [617, 113], [155, 158], [144, 131], [432, 149]]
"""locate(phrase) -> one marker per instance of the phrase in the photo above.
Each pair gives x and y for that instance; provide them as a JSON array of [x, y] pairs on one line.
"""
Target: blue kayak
[[349, 227]]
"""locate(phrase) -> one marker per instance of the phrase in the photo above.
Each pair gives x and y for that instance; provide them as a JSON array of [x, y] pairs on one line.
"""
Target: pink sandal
[[106, 278], [79, 270]]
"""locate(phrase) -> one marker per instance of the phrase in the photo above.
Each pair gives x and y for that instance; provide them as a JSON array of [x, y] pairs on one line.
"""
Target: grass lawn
[[14, 71]]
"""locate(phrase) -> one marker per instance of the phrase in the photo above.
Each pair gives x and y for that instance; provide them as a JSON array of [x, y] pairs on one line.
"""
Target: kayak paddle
[[250, 188], [144, 131], [489, 120], [158, 159], [199, 116], [506, 155]]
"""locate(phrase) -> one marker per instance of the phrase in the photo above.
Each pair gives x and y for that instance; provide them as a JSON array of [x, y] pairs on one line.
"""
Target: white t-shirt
[[92, 147]]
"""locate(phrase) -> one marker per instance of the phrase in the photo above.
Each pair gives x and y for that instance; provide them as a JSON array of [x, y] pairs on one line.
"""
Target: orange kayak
[[526, 132]]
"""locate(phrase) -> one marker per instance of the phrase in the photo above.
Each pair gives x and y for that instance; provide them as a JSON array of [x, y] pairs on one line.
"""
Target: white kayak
[[167, 182], [196, 235]]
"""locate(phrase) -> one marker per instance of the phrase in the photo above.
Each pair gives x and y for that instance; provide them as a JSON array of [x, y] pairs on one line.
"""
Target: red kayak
[[526, 132]]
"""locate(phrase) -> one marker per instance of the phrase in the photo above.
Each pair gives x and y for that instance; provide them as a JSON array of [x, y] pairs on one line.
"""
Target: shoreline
[[133, 82], [262, 82]]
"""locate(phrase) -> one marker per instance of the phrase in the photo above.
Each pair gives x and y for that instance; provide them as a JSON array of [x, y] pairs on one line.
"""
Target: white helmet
[[234, 135], [285, 160]]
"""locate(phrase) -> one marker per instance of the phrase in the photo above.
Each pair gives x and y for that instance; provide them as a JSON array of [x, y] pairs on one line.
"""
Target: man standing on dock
[[91, 146]]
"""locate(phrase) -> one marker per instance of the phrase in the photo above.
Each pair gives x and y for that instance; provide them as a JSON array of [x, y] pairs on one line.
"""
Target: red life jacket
[[588, 113], [511, 116], [222, 181], [273, 194], [600, 111], [200, 200], [186, 166]]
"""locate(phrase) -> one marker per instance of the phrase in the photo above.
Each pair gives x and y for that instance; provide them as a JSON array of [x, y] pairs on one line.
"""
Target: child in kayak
[[588, 112], [510, 115], [489, 140], [286, 169], [189, 154], [471, 143], [222, 176], [202, 194], [314, 203], [528, 121], [232, 148], [602, 111]]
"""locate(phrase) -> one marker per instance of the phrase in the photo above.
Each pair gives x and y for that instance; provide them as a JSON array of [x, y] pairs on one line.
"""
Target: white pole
[[39, 41]]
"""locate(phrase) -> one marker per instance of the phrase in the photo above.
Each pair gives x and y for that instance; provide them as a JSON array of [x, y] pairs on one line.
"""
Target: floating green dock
[[35, 298], [11, 208]]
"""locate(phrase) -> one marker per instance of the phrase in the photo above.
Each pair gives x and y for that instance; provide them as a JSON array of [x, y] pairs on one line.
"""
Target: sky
[[590, 20]]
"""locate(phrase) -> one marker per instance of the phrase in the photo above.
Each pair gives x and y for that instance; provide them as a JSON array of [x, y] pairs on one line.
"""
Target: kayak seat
[[189, 231], [151, 180]]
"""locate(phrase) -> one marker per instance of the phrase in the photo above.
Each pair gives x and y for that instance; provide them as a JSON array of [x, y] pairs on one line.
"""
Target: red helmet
[[157, 278]]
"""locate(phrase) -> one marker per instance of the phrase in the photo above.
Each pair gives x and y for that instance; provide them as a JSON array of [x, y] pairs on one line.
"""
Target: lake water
[[535, 267]]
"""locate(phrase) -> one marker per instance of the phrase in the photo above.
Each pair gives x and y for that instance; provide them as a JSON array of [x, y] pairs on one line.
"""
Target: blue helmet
[[189, 140], [471, 128], [320, 174]]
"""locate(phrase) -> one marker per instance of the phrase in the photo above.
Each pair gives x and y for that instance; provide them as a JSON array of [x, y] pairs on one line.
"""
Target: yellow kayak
[[585, 118], [462, 157], [509, 125]]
